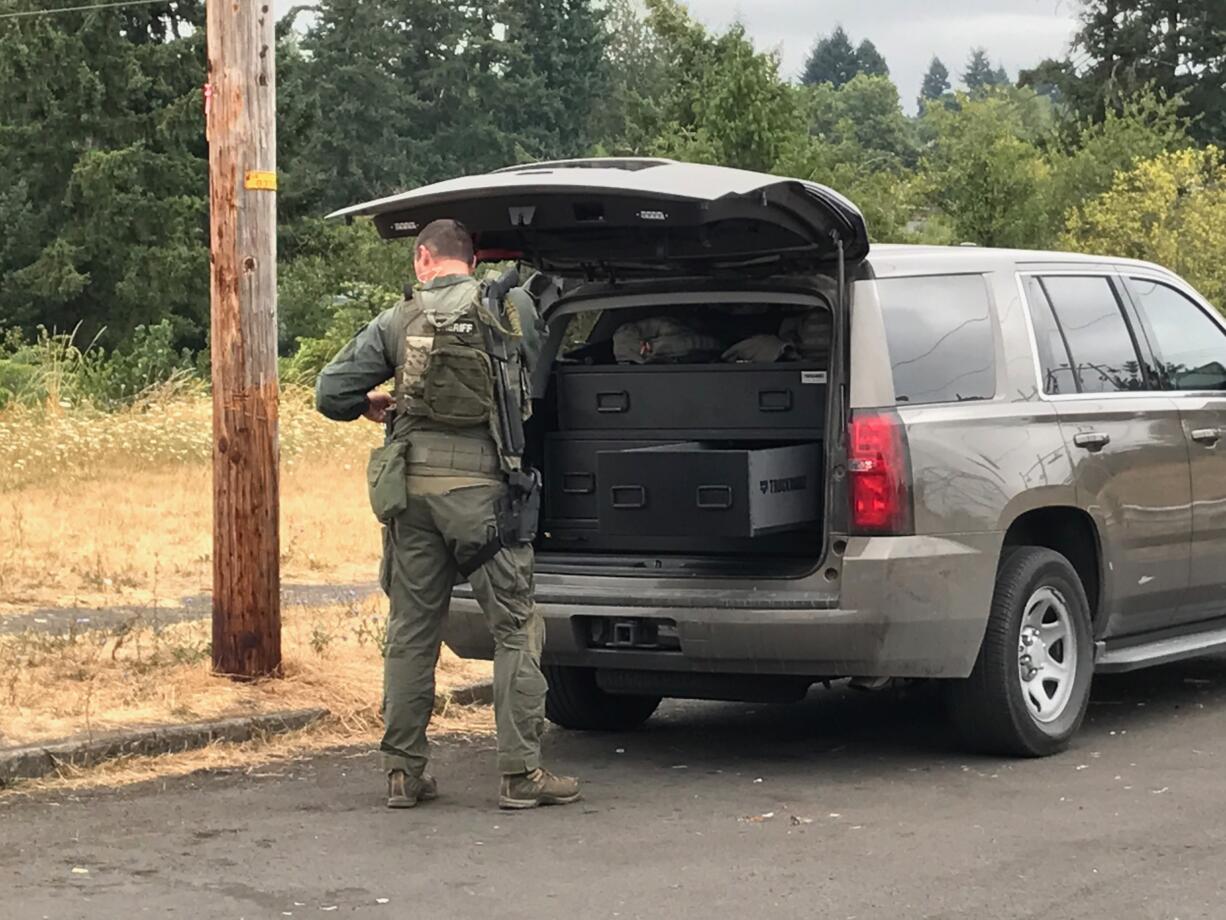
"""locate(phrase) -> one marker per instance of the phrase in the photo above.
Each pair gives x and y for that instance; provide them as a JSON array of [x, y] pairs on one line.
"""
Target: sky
[[1016, 33]]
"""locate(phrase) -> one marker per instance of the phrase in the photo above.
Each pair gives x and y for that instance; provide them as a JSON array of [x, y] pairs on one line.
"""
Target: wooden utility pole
[[240, 113]]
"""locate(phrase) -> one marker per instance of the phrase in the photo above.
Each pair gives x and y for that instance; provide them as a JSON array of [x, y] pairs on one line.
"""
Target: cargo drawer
[[571, 481], [705, 401], [688, 489]]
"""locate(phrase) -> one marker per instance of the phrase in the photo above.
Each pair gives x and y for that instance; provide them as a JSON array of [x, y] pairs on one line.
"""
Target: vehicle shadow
[[905, 727]]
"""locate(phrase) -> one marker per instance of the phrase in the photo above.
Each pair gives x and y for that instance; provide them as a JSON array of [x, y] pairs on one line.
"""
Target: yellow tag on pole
[[260, 179]]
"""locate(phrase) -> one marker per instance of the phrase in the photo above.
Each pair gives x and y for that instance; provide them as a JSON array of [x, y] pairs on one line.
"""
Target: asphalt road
[[875, 815]]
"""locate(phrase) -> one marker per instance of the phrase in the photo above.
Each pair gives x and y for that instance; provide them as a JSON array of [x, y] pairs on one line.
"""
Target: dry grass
[[104, 509], [108, 509], [257, 757], [144, 675]]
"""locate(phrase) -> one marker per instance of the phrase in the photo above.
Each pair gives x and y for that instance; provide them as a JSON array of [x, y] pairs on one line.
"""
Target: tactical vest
[[448, 376]]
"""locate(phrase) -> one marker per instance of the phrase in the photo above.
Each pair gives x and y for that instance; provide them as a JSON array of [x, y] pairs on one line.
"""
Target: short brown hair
[[447, 239]]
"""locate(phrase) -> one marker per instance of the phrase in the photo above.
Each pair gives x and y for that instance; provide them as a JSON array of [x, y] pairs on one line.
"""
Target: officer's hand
[[378, 403]]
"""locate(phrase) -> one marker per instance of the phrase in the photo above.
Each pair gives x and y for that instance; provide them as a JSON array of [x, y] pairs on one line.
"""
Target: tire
[[1007, 705], [575, 701]]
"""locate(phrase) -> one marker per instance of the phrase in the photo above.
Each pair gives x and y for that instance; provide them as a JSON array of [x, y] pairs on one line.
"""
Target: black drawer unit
[[729, 401], [571, 483], [686, 489]]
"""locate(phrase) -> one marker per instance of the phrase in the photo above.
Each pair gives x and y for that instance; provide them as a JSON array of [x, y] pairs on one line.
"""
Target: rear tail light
[[879, 474]]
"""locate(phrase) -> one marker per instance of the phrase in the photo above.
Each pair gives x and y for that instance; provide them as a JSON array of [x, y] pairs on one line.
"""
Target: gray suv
[[773, 456]]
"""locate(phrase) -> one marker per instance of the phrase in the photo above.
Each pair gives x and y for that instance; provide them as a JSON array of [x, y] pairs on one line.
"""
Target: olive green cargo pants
[[426, 540]]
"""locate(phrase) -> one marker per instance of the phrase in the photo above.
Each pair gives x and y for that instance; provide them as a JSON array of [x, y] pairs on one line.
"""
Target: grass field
[[107, 509], [99, 509]]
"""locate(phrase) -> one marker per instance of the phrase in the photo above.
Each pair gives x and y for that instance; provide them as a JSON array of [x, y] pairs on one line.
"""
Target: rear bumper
[[908, 607]]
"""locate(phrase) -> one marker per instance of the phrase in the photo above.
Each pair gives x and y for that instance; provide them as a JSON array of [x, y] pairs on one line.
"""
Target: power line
[[78, 9]]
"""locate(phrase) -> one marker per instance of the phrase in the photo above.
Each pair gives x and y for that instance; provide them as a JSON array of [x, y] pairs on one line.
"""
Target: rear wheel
[[576, 701], [1030, 687]]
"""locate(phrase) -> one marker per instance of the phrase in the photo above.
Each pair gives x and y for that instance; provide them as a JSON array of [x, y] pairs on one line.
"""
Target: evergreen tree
[[105, 194], [979, 75], [396, 93], [1178, 47], [870, 60], [389, 93], [832, 60], [936, 82], [555, 75]]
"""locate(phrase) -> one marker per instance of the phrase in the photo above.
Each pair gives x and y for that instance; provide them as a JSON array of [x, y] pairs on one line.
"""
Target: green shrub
[[350, 312], [55, 369], [148, 359]]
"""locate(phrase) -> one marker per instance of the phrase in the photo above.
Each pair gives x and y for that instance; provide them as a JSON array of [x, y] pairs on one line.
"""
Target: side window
[[939, 334], [1089, 317], [1058, 375], [1191, 347]]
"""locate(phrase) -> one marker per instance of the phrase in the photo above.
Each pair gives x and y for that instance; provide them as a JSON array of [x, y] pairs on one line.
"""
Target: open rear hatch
[[636, 217], [698, 465]]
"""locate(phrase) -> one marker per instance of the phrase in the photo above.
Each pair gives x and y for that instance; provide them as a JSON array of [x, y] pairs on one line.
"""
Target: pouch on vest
[[386, 480], [458, 389]]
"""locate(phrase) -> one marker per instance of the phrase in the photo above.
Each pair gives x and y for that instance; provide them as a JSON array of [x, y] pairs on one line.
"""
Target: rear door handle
[[1092, 440], [1208, 436]]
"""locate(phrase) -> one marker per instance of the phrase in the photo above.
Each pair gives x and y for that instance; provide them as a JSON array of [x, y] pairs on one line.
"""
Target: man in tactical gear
[[455, 501]]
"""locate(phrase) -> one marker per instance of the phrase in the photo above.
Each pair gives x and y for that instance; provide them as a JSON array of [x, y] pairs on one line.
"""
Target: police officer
[[437, 485]]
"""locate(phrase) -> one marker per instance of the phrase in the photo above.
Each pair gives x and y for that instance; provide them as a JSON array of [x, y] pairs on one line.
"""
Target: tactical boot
[[404, 791], [540, 787]]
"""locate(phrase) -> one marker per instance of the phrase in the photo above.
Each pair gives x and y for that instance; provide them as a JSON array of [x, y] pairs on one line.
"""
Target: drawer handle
[[774, 400], [618, 401], [578, 483], [628, 497], [714, 498]]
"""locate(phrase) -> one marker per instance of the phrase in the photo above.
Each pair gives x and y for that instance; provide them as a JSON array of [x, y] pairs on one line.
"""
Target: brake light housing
[[879, 475]]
